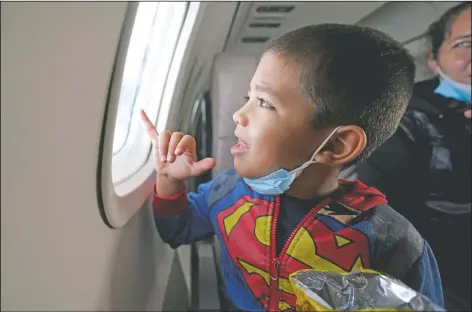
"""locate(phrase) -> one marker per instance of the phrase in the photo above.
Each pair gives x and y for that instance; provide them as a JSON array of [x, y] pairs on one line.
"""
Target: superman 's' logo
[[246, 230]]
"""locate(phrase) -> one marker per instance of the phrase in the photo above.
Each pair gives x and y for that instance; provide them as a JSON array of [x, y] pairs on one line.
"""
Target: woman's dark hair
[[439, 30]]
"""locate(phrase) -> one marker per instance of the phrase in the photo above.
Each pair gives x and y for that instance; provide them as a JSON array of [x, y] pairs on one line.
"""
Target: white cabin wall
[[57, 253], [303, 13]]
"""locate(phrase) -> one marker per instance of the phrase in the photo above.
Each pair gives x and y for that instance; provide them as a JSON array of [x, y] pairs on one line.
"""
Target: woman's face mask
[[453, 89]]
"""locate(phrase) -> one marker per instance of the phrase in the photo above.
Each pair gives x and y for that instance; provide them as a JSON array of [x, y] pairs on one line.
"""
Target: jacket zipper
[[275, 262]]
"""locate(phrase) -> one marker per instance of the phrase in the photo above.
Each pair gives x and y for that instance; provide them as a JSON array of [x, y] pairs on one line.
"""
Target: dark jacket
[[425, 172]]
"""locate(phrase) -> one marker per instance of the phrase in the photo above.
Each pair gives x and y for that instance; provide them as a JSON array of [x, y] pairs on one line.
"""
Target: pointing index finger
[[149, 127]]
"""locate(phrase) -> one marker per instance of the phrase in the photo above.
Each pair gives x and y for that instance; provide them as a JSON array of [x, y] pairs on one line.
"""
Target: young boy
[[322, 96]]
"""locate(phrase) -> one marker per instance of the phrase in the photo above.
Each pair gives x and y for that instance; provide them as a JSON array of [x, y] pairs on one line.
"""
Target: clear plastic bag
[[364, 290]]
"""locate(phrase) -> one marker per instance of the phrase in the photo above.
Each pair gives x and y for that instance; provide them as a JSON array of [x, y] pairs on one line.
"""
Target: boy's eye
[[263, 103]]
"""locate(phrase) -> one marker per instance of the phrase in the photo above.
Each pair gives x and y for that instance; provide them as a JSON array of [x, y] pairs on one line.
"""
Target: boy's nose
[[239, 118]]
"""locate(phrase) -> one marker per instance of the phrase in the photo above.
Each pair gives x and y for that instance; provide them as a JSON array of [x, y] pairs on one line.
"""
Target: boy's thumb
[[204, 165]]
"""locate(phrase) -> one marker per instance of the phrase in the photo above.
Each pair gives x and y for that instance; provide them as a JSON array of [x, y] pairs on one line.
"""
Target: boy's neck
[[315, 182]]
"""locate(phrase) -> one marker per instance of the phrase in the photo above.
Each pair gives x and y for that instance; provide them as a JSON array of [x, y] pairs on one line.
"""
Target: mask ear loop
[[444, 76], [300, 169]]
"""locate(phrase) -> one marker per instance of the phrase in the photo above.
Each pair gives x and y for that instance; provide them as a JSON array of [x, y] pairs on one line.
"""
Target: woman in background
[[425, 168]]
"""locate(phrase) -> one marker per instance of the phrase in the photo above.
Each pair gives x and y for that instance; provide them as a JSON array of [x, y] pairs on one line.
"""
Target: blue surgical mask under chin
[[279, 181], [453, 89]]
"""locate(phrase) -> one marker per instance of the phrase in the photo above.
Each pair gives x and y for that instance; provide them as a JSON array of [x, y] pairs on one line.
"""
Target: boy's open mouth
[[241, 144], [240, 147]]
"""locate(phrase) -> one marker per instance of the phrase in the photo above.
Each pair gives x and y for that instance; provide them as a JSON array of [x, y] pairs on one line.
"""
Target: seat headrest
[[232, 73]]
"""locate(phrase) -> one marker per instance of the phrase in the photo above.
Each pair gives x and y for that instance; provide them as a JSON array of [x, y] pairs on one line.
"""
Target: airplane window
[[153, 41]]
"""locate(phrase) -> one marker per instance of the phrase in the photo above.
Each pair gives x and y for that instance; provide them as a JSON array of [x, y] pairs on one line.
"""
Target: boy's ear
[[346, 144]]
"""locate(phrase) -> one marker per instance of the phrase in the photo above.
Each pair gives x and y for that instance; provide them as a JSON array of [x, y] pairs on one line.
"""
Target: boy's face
[[274, 126]]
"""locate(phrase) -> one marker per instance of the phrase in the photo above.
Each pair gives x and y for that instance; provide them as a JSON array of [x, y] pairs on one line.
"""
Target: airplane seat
[[232, 73], [213, 125]]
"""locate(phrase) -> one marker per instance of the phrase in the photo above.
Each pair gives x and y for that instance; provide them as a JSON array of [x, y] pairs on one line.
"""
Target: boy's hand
[[175, 154]]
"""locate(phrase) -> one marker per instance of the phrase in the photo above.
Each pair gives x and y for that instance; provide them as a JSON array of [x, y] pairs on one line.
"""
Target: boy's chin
[[245, 172], [241, 171]]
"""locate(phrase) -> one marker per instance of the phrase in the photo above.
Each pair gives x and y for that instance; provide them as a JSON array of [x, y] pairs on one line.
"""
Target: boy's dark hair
[[353, 76], [440, 29]]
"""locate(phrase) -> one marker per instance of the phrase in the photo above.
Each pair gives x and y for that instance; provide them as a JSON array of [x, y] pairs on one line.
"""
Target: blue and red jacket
[[342, 233]]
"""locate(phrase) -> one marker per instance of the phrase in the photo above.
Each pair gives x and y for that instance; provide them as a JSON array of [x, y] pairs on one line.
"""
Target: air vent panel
[[255, 39], [268, 18], [275, 9], [264, 25]]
